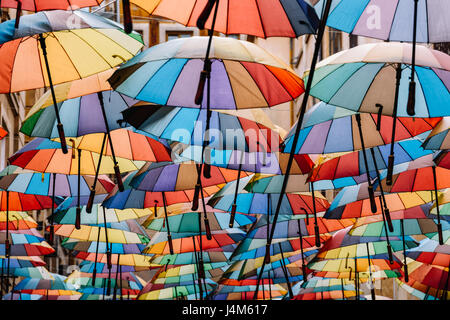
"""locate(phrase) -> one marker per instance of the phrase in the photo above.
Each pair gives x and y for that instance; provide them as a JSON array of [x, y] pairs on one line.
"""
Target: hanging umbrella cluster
[[151, 162]]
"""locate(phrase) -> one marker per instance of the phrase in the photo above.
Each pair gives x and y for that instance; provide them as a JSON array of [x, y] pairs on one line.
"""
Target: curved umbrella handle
[[206, 12]]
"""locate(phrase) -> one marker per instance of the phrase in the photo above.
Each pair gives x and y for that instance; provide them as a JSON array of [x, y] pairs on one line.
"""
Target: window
[[175, 34], [335, 41], [353, 40]]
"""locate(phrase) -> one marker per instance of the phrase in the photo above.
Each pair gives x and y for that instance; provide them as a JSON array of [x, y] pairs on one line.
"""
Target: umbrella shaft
[[397, 91], [413, 64], [299, 124]]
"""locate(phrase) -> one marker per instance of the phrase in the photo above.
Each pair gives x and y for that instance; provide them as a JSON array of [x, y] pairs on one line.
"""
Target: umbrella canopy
[[36, 272], [354, 78], [75, 50], [42, 183], [158, 292], [352, 164], [89, 267], [159, 244], [256, 161], [415, 290], [439, 138], [431, 252], [102, 247], [188, 222], [23, 202], [20, 262], [258, 203], [80, 116], [220, 254], [45, 155], [188, 272], [132, 198], [263, 19], [40, 5], [247, 292], [166, 176], [68, 216], [129, 262], [189, 125], [390, 20], [433, 276], [22, 244], [128, 231], [345, 206], [318, 288], [243, 75], [17, 221], [82, 280], [335, 133]]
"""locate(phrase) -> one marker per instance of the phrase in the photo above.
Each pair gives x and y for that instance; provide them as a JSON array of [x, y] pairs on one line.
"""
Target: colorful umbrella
[[344, 206], [241, 75], [188, 222], [102, 247], [189, 126], [22, 244], [439, 138], [23, 202], [261, 19], [80, 116], [187, 272], [390, 20], [352, 164], [16, 221], [431, 252], [96, 216], [75, 50], [221, 254], [17, 180], [38, 5], [246, 292], [188, 291], [330, 132]]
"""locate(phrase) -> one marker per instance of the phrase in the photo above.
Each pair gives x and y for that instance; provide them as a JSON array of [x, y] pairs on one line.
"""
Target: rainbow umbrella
[[132, 198], [221, 254], [79, 116], [188, 126], [425, 277], [241, 75], [415, 290], [318, 288], [16, 221], [329, 129], [173, 274], [438, 138], [39, 5], [187, 223], [75, 50], [15, 179], [353, 164], [24, 244], [187, 291], [102, 247], [344, 206], [99, 267], [16, 201], [390, 20], [246, 292], [96, 217], [267, 19], [431, 252]]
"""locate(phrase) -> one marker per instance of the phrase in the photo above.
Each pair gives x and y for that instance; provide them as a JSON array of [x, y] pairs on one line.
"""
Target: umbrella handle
[[207, 170], [267, 255], [388, 220], [207, 229], [410, 107], [201, 87], [169, 239], [18, 13], [390, 169], [389, 248], [118, 178], [441, 238], [108, 259], [206, 12], [380, 111], [406, 277], [51, 234], [94, 276], [233, 213], [196, 196], [316, 231], [62, 137], [7, 248], [304, 271], [78, 218], [127, 22], [90, 201], [373, 205]]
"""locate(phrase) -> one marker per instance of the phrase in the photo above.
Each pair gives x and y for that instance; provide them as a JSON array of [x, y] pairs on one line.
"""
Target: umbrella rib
[[260, 19], [67, 54], [166, 61], [270, 71]]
